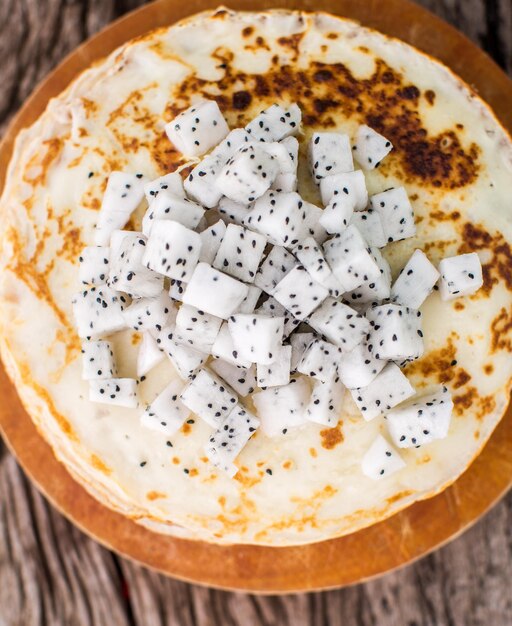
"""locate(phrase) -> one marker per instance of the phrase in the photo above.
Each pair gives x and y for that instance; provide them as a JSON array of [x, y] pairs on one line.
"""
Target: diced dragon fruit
[[312, 226], [299, 293], [166, 414], [177, 289], [150, 313], [421, 420], [116, 241], [149, 354], [240, 253], [210, 241], [299, 343], [377, 289], [98, 360], [167, 207], [311, 256], [370, 147], [185, 359], [172, 250], [282, 408], [396, 332], [249, 302], [370, 226], [415, 282], [285, 153], [337, 214], [460, 276], [329, 154], [169, 183], [231, 436], [256, 338], [351, 184], [285, 183], [201, 127], [271, 307], [389, 388], [214, 292], [381, 459], [358, 368], [209, 397], [94, 265], [320, 360], [116, 391], [98, 312], [241, 379], [200, 329], [350, 259], [280, 217], [396, 213], [224, 348], [274, 268], [276, 373], [326, 402], [233, 212], [340, 324], [275, 123]]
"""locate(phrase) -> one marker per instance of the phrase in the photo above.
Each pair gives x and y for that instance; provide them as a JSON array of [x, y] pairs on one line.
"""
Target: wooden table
[[50, 573]]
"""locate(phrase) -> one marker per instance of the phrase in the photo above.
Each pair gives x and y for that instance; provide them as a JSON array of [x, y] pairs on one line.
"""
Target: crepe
[[449, 152]]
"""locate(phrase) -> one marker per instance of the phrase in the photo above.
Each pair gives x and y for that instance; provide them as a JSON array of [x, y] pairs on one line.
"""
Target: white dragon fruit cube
[[177, 289], [370, 147], [200, 183], [276, 373], [312, 226], [149, 354], [214, 292], [370, 226], [337, 214], [211, 239], [115, 391], [376, 289], [311, 256], [274, 268], [275, 123], [172, 250], [98, 312], [285, 183], [285, 153], [249, 302], [241, 379], [381, 460], [415, 281], [396, 213], [197, 129], [358, 368], [98, 360], [150, 313], [326, 402], [168, 207], [299, 293], [396, 332], [229, 439], [320, 360], [350, 259], [271, 307], [166, 414], [422, 420], [281, 409], [233, 212], [299, 343], [168, 183], [107, 224], [350, 184], [329, 154], [340, 324], [94, 262], [256, 337], [209, 397], [185, 359], [224, 348], [460, 276], [240, 253], [200, 329]]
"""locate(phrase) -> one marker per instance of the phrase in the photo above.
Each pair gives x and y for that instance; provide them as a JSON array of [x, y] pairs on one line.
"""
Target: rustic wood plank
[[50, 573]]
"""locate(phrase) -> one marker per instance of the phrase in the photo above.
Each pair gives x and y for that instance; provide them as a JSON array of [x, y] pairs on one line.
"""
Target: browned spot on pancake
[[476, 434], [193, 472], [461, 378], [363, 49], [136, 339], [247, 481], [458, 306], [98, 464], [155, 495], [465, 400], [399, 496], [186, 429], [437, 249], [488, 368], [72, 243], [313, 452], [430, 96], [441, 365], [331, 437], [89, 106], [43, 162], [501, 335], [241, 100], [176, 460], [332, 35], [292, 42], [222, 501], [441, 216], [247, 31]]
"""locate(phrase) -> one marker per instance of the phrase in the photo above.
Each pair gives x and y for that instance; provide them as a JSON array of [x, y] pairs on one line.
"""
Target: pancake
[[449, 152]]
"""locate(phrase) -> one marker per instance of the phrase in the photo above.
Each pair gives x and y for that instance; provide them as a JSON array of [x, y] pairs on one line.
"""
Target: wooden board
[[388, 545]]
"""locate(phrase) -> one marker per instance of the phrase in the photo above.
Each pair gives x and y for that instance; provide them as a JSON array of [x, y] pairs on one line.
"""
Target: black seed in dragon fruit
[[320, 360], [98, 360], [329, 154], [299, 293], [241, 379], [340, 324], [256, 338], [185, 359], [381, 460], [396, 213], [370, 147], [350, 184], [209, 397], [229, 439], [389, 388], [210, 241], [275, 123], [326, 402], [224, 348], [396, 332], [150, 313], [198, 129], [370, 226], [337, 214], [94, 265], [460, 276], [167, 207], [177, 289], [276, 373], [172, 250], [98, 311], [240, 253], [166, 414], [115, 391], [281, 409], [422, 420], [415, 282], [149, 354], [200, 329], [249, 302], [169, 183], [274, 268], [299, 343], [376, 289], [358, 368], [214, 292]]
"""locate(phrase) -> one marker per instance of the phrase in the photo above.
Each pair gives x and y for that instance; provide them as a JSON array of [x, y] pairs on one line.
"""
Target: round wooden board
[[348, 560]]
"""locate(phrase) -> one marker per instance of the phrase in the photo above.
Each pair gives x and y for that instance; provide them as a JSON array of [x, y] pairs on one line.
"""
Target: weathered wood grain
[[52, 574]]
